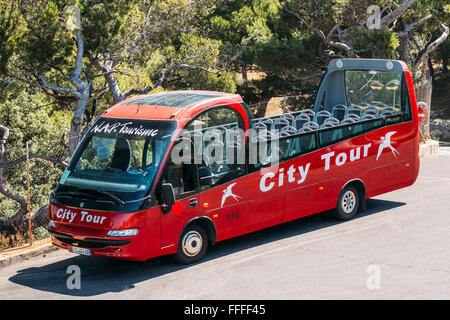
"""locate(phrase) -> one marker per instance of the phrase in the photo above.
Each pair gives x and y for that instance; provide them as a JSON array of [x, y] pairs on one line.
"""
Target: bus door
[[218, 133], [184, 180], [223, 196]]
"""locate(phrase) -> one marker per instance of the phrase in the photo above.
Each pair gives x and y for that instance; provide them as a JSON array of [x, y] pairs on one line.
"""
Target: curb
[[430, 147], [23, 254]]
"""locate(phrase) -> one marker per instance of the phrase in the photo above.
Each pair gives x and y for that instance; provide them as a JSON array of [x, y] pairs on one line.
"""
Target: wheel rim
[[192, 243], [348, 201]]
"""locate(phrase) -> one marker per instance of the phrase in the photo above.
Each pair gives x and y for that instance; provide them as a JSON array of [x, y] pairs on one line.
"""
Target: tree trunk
[[76, 123], [244, 75], [424, 88]]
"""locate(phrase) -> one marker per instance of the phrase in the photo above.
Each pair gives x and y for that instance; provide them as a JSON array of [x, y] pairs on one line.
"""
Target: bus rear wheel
[[348, 203], [193, 245]]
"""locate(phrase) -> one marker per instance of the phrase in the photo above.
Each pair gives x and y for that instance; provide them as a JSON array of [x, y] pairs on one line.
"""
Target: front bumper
[[114, 248], [88, 242]]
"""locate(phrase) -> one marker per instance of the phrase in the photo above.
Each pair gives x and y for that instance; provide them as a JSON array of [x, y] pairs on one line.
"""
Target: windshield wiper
[[73, 193], [97, 200], [89, 195], [120, 201]]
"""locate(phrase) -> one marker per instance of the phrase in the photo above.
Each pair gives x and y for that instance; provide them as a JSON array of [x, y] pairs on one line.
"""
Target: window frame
[[187, 194], [403, 86], [241, 125], [256, 167]]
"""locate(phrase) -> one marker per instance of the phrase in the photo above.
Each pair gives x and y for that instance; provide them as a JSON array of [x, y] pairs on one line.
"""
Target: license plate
[[83, 251]]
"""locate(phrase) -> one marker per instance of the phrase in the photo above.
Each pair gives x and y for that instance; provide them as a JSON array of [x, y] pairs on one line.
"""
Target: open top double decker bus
[[175, 172]]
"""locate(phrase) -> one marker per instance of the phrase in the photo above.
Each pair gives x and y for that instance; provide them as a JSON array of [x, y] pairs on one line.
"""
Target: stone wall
[[440, 129]]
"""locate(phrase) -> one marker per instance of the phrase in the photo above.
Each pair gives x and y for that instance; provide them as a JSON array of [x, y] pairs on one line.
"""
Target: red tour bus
[[159, 174]]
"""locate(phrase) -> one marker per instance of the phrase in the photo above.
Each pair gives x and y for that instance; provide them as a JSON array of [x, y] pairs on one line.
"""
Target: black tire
[[348, 203], [192, 245]]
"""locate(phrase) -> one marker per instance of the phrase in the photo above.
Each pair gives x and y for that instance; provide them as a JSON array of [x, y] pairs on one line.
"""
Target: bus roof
[[170, 105]]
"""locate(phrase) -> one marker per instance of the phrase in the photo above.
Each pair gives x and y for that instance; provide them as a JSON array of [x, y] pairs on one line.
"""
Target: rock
[[437, 115], [440, 129]]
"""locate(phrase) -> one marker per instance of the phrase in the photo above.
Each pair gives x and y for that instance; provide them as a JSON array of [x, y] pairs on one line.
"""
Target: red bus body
[[266, 197]]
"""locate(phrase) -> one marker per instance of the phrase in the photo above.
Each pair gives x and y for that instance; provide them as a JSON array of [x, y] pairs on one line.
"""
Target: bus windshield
[[119, 158], [370, 87]]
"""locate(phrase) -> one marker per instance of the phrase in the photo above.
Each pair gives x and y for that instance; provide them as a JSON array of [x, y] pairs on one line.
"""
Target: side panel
[[266, 211], [307, 200], [225, 206], [302, 186], [394, 159], [173, 222]]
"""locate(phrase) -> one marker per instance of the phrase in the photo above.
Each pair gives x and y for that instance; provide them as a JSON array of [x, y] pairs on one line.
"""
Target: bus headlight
[[51, 225], [122, 233]]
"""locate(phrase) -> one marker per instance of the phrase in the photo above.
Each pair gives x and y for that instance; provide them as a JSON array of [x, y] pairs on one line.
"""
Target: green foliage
[[6, 28], [30, 119], [44, 42], [375, 43]]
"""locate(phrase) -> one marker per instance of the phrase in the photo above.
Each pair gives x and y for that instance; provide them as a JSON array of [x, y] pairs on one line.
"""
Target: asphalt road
[[398, 249]]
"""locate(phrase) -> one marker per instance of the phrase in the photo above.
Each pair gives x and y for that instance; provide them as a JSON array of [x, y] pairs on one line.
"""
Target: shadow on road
[[103, 275]]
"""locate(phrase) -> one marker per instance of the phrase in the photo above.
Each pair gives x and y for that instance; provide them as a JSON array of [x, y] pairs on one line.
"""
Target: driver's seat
[[121, 158]]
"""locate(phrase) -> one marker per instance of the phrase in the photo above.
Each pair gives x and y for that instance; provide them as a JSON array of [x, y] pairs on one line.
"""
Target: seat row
[[308, 120]]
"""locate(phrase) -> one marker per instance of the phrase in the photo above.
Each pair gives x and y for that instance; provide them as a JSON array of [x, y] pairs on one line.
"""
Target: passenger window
[[297, 145], [182, 176], [218, 135], [380, 93], [220, 116], [335, 134], [213, 173], [406, 103], [265, 153]]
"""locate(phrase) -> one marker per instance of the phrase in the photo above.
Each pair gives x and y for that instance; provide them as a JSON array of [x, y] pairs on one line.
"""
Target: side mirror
[[168, 197], [422, 114]]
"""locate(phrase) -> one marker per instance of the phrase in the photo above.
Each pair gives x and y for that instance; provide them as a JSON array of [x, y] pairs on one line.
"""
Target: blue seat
[[332, 120], [326, 125], [339, 111], [352, 116], [289, 129], [371, 110], [357, 110], [305, 129], [279, 123], [311, 124], [387, 111], [321, 116], [289, 117], [300, 120], [348, 120], [268, 122], [369, 116], [310, 113]]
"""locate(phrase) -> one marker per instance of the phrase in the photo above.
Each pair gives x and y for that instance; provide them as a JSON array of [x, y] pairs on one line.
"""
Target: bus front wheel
[[348, 203], [192, 245]]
